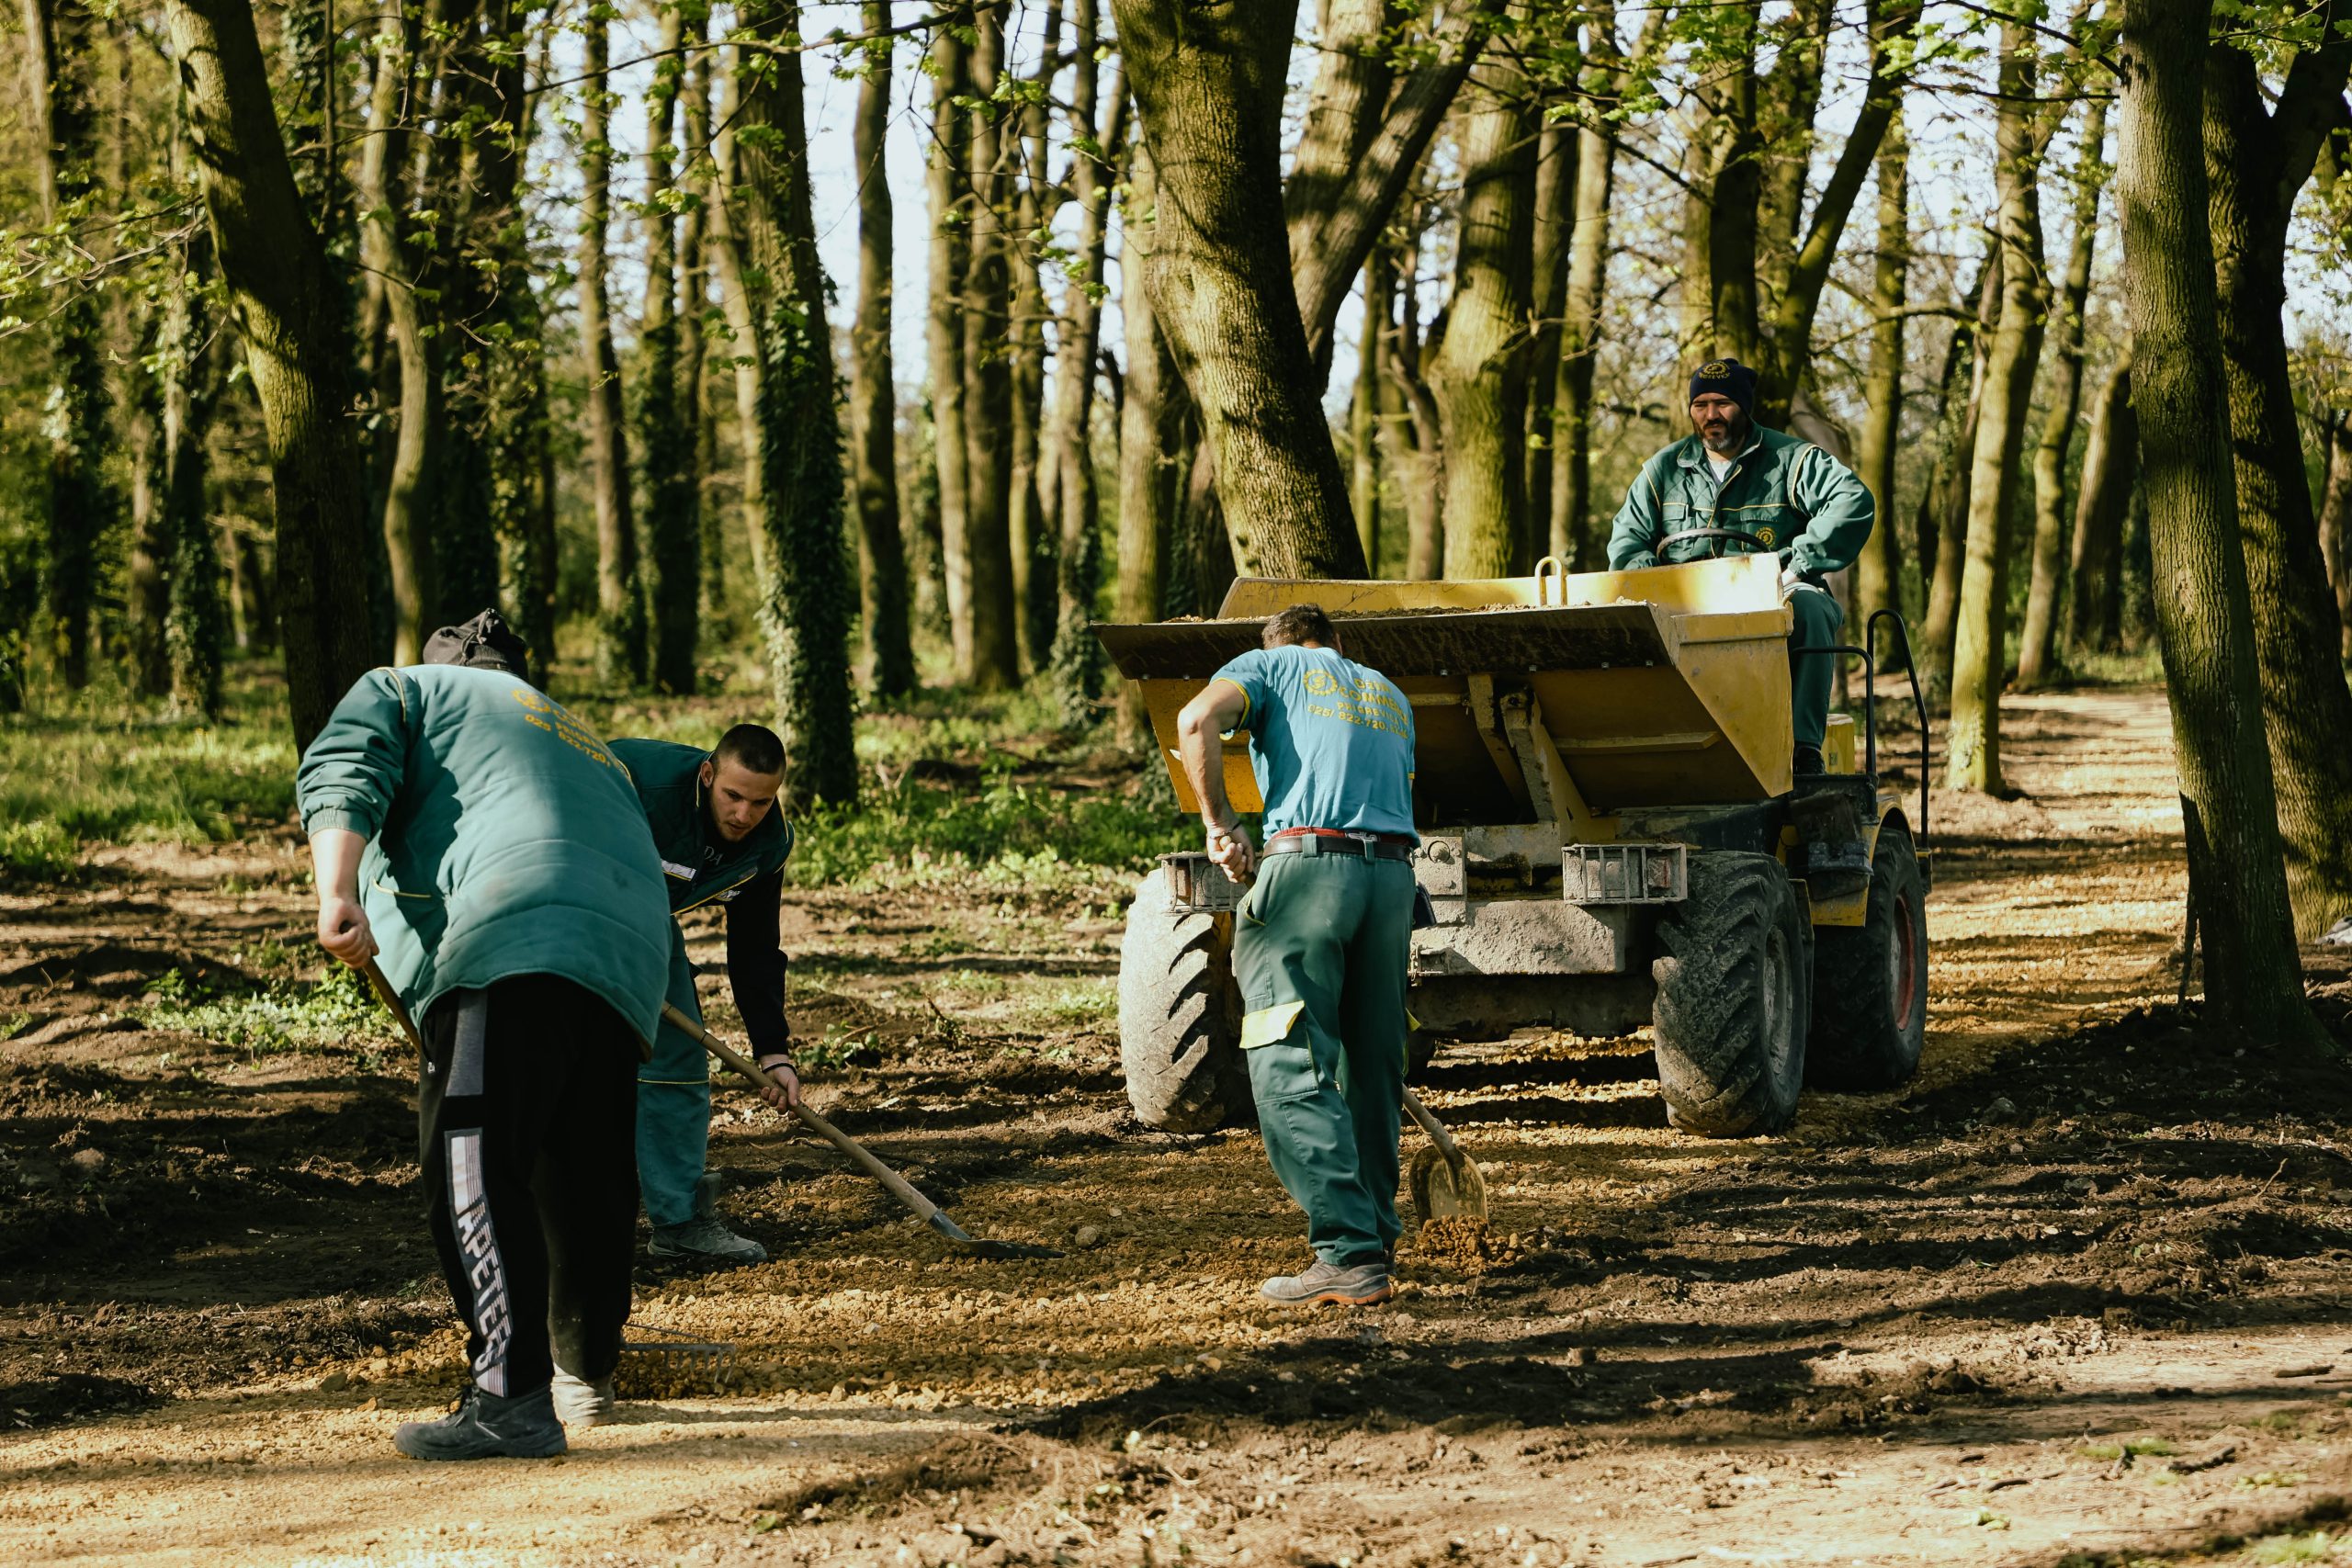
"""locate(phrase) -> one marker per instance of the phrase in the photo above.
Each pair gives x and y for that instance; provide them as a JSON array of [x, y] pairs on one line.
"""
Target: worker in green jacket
[[722, 841], [1320, 940], [488, 847], [1777, 494]]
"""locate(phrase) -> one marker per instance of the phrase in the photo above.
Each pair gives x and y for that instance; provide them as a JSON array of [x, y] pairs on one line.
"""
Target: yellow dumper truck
[[1612, 837]]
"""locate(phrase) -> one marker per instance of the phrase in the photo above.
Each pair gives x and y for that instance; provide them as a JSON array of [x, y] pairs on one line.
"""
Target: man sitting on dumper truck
[[722, 841], [1320, 940], [1733, 486], [479, 837]]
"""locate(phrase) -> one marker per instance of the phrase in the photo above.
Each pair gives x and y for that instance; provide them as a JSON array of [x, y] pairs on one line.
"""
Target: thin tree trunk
[[2257, 159], [987, 380], [621, 604], [694, 306], [2336, 515], [872, 392], [1076, 657], [1574, 538], [1423, 479], [2229, 808], [2110, 467], [1208, 88], [1878, 570], [951, 226], [1480, 376], [1031, 503], [1555, 173], [1152, 426], [194, 618], [807, 596], [1972, 743], [2037, 650], [743, 331], [1363, 410], [139, 391], [1948, 504], [665, 443], [287, 306], [61, 59]]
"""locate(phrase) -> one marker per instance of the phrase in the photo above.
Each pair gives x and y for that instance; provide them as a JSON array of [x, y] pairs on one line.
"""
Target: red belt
[[1405, 840], [1372, 846]]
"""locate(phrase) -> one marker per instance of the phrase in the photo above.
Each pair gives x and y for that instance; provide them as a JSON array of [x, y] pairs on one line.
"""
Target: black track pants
[[527, 1127]]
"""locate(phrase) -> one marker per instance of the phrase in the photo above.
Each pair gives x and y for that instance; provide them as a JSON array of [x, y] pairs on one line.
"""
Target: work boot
[[486, 1426], [1353, 1284], [704, 1241], [1809, 761], [579, 1403]]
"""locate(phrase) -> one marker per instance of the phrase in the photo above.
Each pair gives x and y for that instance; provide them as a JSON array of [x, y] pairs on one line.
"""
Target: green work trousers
[[1320, 949], [673, 1104], [1812, 676]]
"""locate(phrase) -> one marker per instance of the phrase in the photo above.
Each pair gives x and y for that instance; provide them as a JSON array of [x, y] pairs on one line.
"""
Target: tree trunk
[[987, 380], [1555, 175], [1069, 463], [2110, 467], [1031, 501], [872, 392], [743, 331], [1423, 476], [1972, 743], [1946, 507], [951, 227], [665, 443], [808, 597], [1573, 537], [1208, 87], [2336, 515], [2229, 808], [2037, 663], [1363, 410], [520, 448], [287, 306], [1878, 570], [1151, 432], [693, 306], [2257, 160], [195, 617], [82, 503], [1480, 376], [621, 604]]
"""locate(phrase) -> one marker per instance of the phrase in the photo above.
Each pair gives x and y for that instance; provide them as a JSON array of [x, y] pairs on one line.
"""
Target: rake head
[[674, 1363]]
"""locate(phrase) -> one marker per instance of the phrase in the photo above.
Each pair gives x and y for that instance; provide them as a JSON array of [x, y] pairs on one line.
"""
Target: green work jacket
[[1793, 499], [503, 839], [699, 868]]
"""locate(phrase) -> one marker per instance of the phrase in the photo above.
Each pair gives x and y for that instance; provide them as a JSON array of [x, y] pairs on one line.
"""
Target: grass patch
[[1087, 1004], [284, 1016], [36, 851], [2138, 1447], [2316, 1547], [1010, 837]]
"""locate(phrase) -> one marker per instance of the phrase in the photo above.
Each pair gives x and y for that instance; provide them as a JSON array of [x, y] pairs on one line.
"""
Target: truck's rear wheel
[[1870, 982], [1180, 1017], [1731, 997]]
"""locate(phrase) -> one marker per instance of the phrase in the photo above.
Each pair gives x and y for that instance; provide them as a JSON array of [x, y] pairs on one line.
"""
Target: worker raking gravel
[[481, 839], [1320, 940]]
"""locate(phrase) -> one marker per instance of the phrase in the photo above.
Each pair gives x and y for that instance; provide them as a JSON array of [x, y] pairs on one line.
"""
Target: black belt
[[1329, 841]]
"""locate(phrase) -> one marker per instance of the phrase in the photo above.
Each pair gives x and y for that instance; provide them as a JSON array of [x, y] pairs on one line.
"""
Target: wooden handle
[[391, 999], [900, 1189], [1434, 1128]]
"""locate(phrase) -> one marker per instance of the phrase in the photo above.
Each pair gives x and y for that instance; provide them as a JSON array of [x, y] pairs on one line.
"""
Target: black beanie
[[486, 642], [1726, 379]]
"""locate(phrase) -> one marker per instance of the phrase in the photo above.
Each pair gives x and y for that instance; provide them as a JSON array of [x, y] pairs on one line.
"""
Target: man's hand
[[342, 924], [786, 1092], [1234, 854]]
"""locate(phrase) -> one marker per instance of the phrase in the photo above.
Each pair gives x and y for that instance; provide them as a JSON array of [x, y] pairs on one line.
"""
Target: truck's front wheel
[[1180, 1025], [1734, 990]]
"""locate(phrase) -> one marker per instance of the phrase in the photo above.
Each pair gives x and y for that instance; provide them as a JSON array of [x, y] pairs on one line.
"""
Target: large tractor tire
[[1180, 1017], [1870, 982], [1732, 993]]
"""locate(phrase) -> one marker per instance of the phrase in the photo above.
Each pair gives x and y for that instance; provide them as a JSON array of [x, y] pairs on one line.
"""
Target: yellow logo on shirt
[[1765, 536], [1321, 684]]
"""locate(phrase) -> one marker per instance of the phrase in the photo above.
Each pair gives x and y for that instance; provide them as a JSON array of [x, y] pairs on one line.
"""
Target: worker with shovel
[[721, 841], [1320, 940], [484, 842]]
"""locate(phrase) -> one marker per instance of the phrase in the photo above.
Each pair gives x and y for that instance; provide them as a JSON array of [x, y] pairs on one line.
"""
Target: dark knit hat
[[1726, 379], [486, 642]]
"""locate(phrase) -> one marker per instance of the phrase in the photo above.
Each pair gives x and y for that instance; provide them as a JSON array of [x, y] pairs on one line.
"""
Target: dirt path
[[2038, 1307]]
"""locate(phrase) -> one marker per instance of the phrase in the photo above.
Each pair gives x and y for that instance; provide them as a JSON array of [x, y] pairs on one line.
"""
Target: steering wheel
[[1749, 540]]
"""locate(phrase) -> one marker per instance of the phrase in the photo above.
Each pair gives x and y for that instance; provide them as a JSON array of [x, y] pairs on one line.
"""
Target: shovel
[[898, 1186], [1445, 1181]]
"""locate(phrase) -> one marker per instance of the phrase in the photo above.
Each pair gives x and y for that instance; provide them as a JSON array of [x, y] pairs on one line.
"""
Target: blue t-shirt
[[1331, 742]]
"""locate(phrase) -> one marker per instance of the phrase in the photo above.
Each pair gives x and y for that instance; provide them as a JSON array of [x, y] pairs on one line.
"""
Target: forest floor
[[2078, 1295]]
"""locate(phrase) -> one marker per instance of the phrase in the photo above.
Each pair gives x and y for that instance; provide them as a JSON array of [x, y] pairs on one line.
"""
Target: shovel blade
[[1442, 1190]]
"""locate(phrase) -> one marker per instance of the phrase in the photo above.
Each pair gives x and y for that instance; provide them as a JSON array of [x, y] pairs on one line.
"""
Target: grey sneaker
[[1358, 1284], [486, 1426], [579, 1403], [703, 1240]]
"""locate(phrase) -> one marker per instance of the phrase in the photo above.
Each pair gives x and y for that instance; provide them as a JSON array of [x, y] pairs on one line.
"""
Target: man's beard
[[1733, 439]]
